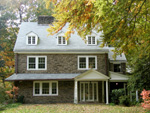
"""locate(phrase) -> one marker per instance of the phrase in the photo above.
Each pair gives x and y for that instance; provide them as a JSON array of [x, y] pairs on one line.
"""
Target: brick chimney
[[45, 20]]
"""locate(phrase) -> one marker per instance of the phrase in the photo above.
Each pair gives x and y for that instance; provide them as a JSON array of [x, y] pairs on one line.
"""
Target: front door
[[88, 91]]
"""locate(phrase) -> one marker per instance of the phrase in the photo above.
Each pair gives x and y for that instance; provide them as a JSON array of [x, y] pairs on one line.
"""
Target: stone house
[[50, 69]]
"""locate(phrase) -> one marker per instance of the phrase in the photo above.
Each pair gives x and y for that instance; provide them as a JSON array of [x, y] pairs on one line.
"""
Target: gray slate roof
[[48, 44], [16, 77]]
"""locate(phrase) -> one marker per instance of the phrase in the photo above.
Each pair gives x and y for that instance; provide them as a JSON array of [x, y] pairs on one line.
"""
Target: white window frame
[[87, 62], [31, 35], [91, 40], [36, 62], [61, 40], [50, 88]]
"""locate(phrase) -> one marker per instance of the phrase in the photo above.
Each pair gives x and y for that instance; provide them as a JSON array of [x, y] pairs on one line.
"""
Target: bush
[[3, 95], [116, 93], [124, 100]]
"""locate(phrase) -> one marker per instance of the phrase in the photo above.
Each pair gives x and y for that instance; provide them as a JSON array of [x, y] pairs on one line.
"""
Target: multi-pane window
[[87, 62], [62, 40], [54, 88], [31, 40], [32, 63], [36, 62], [37, 88], [41, 63], [91, 40], [82, 62], [45, 88], [91, 62]]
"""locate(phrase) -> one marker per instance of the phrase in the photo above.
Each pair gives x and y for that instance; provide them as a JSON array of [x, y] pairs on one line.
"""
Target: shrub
[[124, 100], [116, 93], [3, 95], [146, 97]]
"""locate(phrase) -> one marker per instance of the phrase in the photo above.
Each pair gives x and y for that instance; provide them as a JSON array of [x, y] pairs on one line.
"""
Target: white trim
[[61, 40], [50, 88], [31, 34], [36, 62], [91, 40], [75, 92], [87, 62], [62, 52], [107, 98]]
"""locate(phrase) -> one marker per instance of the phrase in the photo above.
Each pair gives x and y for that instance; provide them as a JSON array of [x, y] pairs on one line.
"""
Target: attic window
[[31, 40], [91, 40], [61, 40]]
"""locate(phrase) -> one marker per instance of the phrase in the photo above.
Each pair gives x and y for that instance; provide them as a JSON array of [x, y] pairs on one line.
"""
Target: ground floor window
[[45, 88]]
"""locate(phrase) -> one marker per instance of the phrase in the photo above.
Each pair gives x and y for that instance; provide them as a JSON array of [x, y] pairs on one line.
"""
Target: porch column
[[107, 101], [75, 92]]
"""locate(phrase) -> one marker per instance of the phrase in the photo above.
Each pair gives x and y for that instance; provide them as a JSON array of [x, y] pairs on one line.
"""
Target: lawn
[[70, 108]]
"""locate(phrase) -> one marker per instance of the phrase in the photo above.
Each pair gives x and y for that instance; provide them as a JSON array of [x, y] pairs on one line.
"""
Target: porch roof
[[17, 77], [118, 77], [91, 75]]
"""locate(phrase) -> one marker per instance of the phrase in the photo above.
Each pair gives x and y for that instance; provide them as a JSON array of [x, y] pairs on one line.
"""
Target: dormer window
[[91, 40], [31, 39], [61, 40]]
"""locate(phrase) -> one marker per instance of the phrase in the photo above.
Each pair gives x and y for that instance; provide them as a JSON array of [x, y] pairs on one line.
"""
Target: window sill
[[88, 69], [36, 69], [45, 95], [91, 44]]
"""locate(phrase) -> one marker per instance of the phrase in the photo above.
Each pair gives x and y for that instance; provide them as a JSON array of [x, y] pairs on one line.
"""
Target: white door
[[89, 91]]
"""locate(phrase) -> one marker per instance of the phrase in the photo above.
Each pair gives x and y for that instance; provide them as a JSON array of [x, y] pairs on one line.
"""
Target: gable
[[92, 75]]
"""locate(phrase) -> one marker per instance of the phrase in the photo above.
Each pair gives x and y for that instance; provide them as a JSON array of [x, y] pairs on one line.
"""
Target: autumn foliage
[[146, 98]]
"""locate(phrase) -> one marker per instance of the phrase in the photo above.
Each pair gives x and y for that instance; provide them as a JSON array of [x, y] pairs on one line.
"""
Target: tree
[[125, 24], [12, 13]]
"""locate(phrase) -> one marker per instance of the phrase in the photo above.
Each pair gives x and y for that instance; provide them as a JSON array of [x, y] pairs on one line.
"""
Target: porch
[[91, 87]]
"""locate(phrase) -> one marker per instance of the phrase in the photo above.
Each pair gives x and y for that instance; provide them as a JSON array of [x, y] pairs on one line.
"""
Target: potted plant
[[146, 98]]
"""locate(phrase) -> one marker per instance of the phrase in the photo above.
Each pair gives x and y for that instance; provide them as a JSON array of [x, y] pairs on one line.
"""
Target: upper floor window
[[45, 88], [31, 39], [117, 68], [91, 40], [61, 40], [36, 63], [87, 62]]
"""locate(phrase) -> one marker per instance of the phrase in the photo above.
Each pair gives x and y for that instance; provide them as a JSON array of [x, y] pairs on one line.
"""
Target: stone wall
[[65, 93], [61, 63]]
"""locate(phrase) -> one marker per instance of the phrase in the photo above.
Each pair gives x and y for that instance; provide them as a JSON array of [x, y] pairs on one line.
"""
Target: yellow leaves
[[142, 41]]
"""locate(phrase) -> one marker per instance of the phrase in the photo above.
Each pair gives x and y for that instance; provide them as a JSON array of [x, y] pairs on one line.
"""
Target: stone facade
[[65, 93], [61, 63]]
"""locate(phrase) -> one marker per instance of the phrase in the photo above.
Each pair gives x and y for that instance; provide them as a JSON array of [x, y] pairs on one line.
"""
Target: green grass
[[70, 108]]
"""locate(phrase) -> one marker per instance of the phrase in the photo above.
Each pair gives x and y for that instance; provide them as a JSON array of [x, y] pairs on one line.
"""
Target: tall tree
[[125, 24], [12, 13]]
